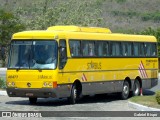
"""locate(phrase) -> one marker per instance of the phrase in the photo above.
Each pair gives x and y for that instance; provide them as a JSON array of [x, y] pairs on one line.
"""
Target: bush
[[158, 97], [2, 83]]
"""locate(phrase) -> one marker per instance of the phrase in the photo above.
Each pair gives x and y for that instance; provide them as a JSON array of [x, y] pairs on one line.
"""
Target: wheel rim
[[136, 89], [75, 94], [125, 90]]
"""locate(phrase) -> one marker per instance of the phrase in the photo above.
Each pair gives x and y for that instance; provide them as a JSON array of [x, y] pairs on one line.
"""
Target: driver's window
[[62, 54]]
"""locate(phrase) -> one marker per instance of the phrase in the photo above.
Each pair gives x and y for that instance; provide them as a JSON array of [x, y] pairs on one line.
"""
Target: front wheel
[[73, 97], [125, 90]]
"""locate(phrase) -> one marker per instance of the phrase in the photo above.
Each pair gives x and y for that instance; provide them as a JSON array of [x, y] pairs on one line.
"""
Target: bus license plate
[[29, 94]]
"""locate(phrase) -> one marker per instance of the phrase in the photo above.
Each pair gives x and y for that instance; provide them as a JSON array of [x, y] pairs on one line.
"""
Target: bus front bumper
[[38, 93]]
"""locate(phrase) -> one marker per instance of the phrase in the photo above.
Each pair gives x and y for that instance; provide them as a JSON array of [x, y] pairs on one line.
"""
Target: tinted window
[[141, 49], [126, 49], [74, 48], [115, 49], [136, 49], [148, 48], [88, 48], [103, 48], [154, 49]]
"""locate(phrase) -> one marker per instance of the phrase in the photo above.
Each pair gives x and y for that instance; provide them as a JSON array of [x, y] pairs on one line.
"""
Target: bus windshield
[[33, 55]]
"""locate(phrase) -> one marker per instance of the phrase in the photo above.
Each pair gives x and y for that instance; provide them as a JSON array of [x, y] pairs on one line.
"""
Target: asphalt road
[[106, 102]]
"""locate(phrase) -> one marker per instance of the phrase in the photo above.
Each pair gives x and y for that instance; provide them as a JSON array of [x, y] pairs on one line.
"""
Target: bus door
[[62, 61], [63, 77]]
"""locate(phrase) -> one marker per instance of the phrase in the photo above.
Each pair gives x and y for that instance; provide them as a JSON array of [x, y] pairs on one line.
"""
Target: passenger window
[[147, 49], [136, 49], [150, 49], [126, 49], [88, 48], [103, 49], [115, 49], [154, 50], [74, 48], [141, 49]]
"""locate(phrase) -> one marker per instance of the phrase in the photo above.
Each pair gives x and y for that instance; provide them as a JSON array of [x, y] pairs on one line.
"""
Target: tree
[[155, 33], [53, 12], [9, 24]]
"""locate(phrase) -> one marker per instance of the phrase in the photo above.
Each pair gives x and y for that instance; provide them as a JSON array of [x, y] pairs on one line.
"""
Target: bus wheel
[[125, 90], [32, 100], [73, 97], [136, 88]]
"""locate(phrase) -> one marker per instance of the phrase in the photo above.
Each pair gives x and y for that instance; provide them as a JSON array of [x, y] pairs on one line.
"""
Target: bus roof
[[80, 29], [85, 33]]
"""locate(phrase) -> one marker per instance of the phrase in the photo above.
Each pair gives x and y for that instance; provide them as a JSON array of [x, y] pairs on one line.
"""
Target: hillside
[[119, 15]]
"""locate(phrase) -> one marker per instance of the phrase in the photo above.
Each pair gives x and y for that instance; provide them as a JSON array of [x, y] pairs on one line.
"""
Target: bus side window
[[127, 49], [154, 50], [74, 48], [100, 49], [124, 49], [88, 48], [115, 49], [141, 49], [136, 49], [62, 54], [103, 49], [147, 49]]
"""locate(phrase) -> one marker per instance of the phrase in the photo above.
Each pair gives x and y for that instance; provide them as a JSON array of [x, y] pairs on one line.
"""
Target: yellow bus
[[71, 61]]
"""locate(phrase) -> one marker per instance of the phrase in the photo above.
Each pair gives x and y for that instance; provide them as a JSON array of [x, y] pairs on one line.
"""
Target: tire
[[125, 90], [33, 100], [73, 97], [136, 88]]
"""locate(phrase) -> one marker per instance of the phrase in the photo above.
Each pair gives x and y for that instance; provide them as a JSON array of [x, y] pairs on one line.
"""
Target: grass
[[149, 101]]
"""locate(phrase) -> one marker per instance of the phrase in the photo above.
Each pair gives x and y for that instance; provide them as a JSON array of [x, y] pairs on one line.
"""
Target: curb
[[141, 107], [3, 93]]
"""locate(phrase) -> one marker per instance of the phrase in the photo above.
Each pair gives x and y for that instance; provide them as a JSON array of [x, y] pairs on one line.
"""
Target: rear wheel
[[73, 96], [125, 90], [136, 88], [33, 100]]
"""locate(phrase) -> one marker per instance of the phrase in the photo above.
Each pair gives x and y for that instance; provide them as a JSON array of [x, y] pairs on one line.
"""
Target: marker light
[[54, 84]]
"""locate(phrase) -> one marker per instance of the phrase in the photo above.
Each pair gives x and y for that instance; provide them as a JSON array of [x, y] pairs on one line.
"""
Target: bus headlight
[[11, 84]]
